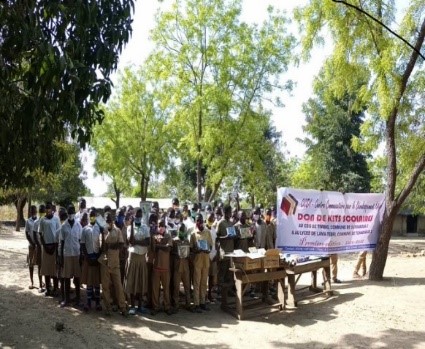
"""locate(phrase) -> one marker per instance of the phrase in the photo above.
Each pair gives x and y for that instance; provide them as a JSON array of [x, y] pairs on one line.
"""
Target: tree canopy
[[394, 91], [333, 120], [217, 72], [55, 63], [132, 143]]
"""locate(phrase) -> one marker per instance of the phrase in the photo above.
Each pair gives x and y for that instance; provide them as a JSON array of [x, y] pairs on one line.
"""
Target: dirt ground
[[361, 314]]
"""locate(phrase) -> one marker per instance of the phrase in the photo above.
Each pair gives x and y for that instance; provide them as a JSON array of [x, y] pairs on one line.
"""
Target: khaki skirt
[[136, 274], [90, 275], [48, 263], [32, 256], [71, 267]]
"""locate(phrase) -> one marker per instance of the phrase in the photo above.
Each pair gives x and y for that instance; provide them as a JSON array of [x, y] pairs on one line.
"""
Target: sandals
[[132, 311]]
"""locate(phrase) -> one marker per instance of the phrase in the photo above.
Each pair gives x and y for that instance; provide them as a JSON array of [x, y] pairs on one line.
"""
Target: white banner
[[326, 222]]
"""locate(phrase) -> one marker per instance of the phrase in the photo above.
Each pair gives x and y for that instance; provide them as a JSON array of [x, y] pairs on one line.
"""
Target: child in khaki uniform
[[32, 247], [180, 254], [201, 244], [110, 266], [161, 245], [90, 246]]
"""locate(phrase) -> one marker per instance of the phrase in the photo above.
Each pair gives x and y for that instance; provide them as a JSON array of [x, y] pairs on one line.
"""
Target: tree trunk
[[252, 201], [142, 188], [145, 194], [379, 259], [207, 194], [214, 192], [198, 176], [29, 206], [20, 220], [117, 195], [144, 183]]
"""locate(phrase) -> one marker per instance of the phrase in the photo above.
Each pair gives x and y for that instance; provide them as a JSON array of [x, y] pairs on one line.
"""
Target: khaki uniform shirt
[[112, 237], [162, 255]]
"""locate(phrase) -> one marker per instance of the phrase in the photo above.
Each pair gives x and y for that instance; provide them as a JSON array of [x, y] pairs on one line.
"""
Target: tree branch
[[417, 171], [382, 24], [390, 124]]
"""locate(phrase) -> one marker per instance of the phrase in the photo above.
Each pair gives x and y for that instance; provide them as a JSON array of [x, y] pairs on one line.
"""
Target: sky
[[289, 119]]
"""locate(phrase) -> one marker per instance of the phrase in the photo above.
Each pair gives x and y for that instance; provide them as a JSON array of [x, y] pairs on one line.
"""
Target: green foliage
[[377, 170], [394, 91], [132, 143], [65, 185], [390, 91], [262, 167], [333, 119], [216, 71], [307, 174], [56, 58]]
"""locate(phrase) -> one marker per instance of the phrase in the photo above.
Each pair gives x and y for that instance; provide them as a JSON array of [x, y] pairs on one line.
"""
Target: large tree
[[132, 143], [217, 71], [62, 185], [333, 121], [394, 93], [55, 61]]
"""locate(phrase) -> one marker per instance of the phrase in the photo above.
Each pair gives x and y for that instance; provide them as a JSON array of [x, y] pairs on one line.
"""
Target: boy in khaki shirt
[[180, 253], [161, 245], [200, 244], [112, 242]]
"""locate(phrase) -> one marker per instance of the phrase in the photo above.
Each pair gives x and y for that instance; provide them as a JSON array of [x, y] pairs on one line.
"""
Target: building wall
[[400, 225], [421, 225]]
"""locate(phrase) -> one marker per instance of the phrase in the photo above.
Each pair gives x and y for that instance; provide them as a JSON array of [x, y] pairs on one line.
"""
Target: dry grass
[[8, 213]]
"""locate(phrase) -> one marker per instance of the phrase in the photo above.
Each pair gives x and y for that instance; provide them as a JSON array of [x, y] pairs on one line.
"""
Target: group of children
[[138, 258]]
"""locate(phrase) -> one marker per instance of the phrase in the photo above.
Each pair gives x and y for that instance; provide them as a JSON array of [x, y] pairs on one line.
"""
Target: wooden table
[[294, 273], [243, 279]]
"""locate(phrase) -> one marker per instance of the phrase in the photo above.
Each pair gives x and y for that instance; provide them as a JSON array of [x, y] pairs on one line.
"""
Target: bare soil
[[361, 314]]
